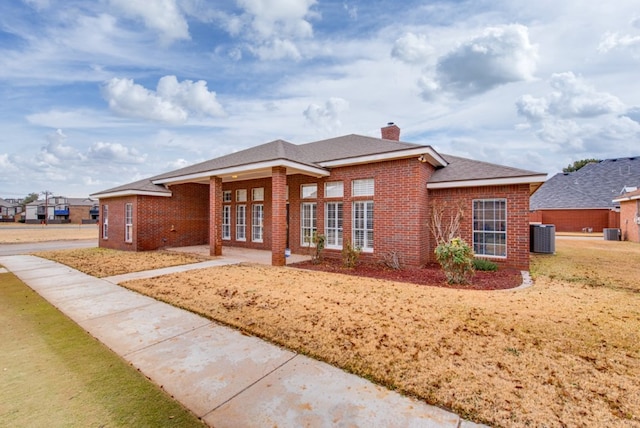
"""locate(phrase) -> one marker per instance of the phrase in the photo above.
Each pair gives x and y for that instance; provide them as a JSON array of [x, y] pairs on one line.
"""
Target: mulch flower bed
[[429, 275]]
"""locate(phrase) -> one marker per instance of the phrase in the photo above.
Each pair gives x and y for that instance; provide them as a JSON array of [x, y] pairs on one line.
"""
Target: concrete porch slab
[[306, 392], [135, 329], [208, 366]]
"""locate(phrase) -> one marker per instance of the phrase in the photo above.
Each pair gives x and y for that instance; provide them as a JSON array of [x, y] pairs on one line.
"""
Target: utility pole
[[46, 206]]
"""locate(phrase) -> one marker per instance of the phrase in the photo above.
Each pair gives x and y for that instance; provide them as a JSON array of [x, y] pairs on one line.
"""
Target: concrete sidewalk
[[224, 377]]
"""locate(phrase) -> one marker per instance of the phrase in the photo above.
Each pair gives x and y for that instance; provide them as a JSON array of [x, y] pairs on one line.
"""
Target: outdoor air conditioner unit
[[542, 238], [611, 234]]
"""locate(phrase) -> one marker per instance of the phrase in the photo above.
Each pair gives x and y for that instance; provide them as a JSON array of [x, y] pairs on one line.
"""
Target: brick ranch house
[[376, 193], [630, 216]]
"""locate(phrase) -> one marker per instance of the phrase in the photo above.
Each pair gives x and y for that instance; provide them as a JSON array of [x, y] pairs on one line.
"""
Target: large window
[[128, 223], [257, 219], [226, 222], [105, 222], [333, 225], [241, 222], [490, 227], [363, 225], [308, 223]]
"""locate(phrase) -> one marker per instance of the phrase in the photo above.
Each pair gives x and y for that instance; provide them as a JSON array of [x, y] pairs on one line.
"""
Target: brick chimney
[[391, 132]]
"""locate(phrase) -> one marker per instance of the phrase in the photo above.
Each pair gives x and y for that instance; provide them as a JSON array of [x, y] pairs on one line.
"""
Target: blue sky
[[95, 94]]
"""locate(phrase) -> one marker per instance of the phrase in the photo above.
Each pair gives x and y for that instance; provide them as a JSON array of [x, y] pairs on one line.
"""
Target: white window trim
[[363, 187], [314, 194], [227, 196], [255, 224], [506, 234], [240, 198], [257, 194], [338, 229], [128, 223], [105, 221], [226, 222], [314, 223], [241, 225], [364, 249], [338, 184]]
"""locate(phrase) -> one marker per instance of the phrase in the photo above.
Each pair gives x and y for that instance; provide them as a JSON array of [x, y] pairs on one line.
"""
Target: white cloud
[[56, 151], [327, 117], [499, 56], [272, 28], [612, 41], [177, 164], [412, 48], [172, 103], [163, 16], [572, 97], [115, 152], [6, 164]]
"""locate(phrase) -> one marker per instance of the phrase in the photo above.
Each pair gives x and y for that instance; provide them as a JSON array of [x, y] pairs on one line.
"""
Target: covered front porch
[[240, 255]]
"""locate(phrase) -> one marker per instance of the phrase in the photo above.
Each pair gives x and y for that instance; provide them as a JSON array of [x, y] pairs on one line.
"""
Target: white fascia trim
[[244, 168], [432, 157], [130, 193], [575, 209], [488, 182], [627, 198]]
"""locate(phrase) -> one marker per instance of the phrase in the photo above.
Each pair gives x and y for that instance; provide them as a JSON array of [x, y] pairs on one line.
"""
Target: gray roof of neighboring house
[[594, 185], [315, 153], [6, 204]]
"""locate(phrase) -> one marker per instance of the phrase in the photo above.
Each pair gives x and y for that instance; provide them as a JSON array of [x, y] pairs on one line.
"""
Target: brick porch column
[[215, 216], [279, 215]]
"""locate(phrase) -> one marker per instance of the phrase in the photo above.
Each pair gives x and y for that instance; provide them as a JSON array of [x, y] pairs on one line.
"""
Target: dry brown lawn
[[11, 233], [565, 352]]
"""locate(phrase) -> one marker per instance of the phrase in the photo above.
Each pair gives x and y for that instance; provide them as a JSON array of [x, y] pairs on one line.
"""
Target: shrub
[[484, 265], [392, 260], [350, 255], [316, 245], [456, 259]]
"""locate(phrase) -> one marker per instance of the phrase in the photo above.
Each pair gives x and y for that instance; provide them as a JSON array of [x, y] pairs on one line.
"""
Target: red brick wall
[[400, 213], [576, 220], [180, 220], [628, 212], [517, 197]]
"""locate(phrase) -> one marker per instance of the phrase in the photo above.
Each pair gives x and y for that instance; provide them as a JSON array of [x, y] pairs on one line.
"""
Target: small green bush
[[484, 265], [456, 259], [350, 255]]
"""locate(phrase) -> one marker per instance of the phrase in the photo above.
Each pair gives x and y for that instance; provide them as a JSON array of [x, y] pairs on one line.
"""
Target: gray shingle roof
[[463, 169], [592, 186], [316, 153]]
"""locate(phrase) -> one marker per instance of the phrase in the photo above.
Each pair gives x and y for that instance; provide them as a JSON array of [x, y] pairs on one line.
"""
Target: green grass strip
[[53, 373]]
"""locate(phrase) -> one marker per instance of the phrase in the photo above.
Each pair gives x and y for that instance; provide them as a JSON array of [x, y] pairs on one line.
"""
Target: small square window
[[226, 196], [334, 189], [241, 195], [363, 187], [309, 191], [257, 194]]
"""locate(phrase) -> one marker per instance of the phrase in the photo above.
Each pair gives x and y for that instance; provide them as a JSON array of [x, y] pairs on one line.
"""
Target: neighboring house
[[60, 210], [583, 200], [9, 210], [374, 193], [630, 215]]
